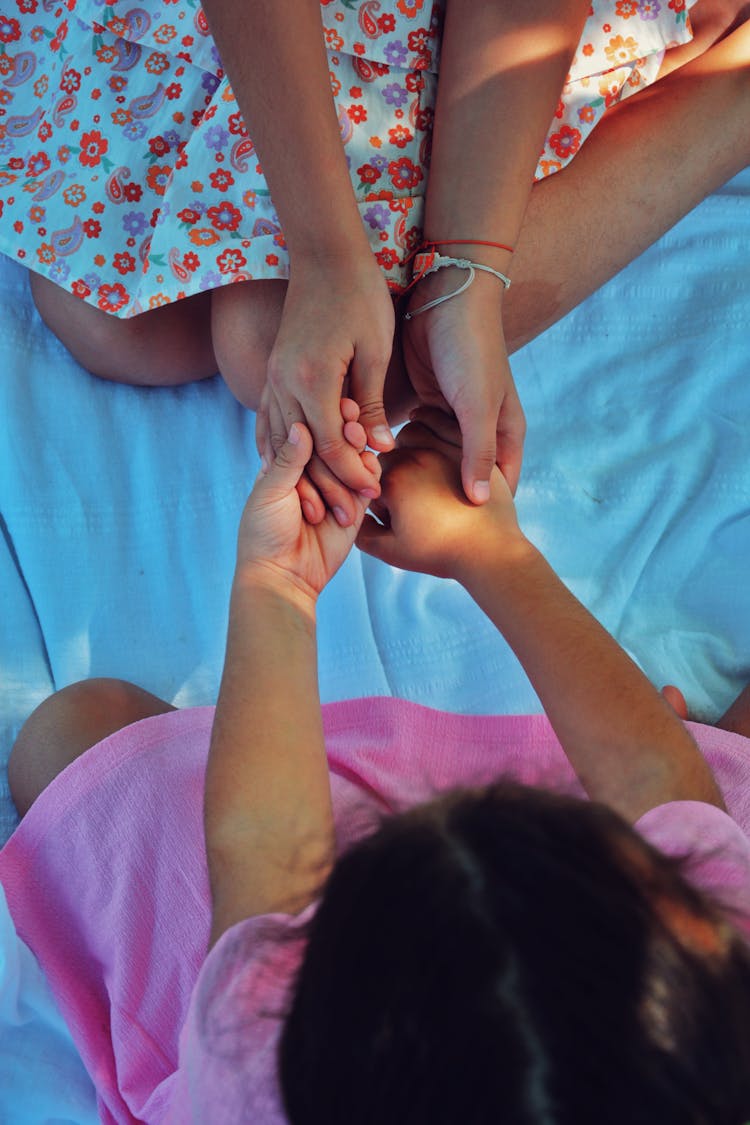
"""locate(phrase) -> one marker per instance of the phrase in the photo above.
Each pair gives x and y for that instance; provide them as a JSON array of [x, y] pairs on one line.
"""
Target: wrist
[[263, 583], [496, 564]]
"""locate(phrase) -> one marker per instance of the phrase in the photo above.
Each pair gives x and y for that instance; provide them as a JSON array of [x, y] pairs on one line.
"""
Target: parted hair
[[509, 956]]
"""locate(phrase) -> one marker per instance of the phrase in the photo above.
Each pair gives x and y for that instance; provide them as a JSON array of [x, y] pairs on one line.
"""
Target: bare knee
[[245, 320], [167, 346], [67, 724]]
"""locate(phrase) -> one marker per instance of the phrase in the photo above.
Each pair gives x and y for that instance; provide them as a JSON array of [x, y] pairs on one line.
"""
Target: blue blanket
[[119, 508]]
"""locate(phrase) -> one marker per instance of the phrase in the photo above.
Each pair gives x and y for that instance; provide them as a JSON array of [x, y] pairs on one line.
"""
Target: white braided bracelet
[[431, 261]]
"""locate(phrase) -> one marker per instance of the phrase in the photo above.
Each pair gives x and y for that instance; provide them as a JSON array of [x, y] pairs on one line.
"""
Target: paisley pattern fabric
[[127, 175]]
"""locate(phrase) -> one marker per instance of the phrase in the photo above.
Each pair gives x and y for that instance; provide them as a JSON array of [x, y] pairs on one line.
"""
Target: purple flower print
[[6, 146], [58, 272], [216, 137], [134, 222], [394, 94], [134, 130], [211, 279], [377, 216], [395, 52], [649, 9], [92, 280], [163, 214], [209, 82], [198, 206], [172, 137], [379, 162]]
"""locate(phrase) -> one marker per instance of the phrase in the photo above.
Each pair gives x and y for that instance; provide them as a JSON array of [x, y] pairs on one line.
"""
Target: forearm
[[268, 819], [276, 62], [625, 743], [502, 68]]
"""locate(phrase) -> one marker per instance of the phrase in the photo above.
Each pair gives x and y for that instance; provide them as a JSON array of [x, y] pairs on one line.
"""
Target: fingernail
[[383, 435], [341, 517], [294, 434], [481, 490], [264, 465], [369, 493], [309, 511]]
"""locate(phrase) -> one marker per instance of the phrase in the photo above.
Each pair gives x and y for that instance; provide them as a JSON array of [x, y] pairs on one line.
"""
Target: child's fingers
[[284, 472], [511, 431]]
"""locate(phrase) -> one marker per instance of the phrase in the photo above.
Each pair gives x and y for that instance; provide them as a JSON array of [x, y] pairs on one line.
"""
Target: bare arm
[[268, 819], [337, 320], [622, 738], [267, 812], [625, 743]]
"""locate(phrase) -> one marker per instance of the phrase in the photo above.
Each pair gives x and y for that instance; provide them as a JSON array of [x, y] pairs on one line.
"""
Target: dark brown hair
[[515, 957]]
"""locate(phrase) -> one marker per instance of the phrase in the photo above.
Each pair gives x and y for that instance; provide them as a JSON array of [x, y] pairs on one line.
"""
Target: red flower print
[[191, 261], [132, 192], [44, 131], [182, 159], [224, 217], [230, 260], [222, 179], [417, 41], [112, 297], [157, 177], [566, 142], [400, 136], [173, 90], [157, 63], [16, 163], [93, 147], [387, 23], [10, 30], [423, 118], [159, 147], [38, 164], [27, 6], [368, 174], [404, 173], [627, 8], [357, 113], [236, 125], [92, 228], [414, 81], [80, 288], [46, 254], [410, 8], [70, 81], [588, 49], [188, 215], [272, 259], [124, 263], [386, 258], [677, 6]]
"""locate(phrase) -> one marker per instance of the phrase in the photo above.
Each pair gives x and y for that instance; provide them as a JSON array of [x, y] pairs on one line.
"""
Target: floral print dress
[[127, 175]]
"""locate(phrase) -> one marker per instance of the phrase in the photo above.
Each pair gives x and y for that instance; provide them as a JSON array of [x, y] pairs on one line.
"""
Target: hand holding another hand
[[456, 359], [276, 542], [426, 522], [335, 338]]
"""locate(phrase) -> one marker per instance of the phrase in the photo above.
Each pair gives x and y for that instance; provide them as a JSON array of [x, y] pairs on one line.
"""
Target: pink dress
[[127, 175], [106, 882]]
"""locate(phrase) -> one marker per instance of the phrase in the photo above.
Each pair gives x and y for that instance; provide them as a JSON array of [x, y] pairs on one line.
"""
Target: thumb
[[366, 382], [375, 539], [479, 450], [284, 473]]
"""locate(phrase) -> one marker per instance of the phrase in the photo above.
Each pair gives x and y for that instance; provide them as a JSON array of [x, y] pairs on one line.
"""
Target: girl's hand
[[426, 522], [275, 540], [456, 358], [336, 329]]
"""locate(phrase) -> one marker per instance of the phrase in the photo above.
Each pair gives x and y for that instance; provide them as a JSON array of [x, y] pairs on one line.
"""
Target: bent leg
[[648, 163], [163, 347], [68, 723]]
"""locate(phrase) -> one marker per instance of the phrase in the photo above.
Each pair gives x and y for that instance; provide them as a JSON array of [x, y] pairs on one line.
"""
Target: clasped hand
[[420, 521]]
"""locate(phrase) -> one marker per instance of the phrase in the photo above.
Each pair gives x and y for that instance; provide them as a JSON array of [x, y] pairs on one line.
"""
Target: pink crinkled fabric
[[106, 882]]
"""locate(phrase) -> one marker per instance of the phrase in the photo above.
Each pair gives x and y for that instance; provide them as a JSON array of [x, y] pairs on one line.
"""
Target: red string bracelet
[[464, 242]]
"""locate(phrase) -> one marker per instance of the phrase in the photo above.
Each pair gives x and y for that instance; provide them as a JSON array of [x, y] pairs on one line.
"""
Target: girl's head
[[516, 957]]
